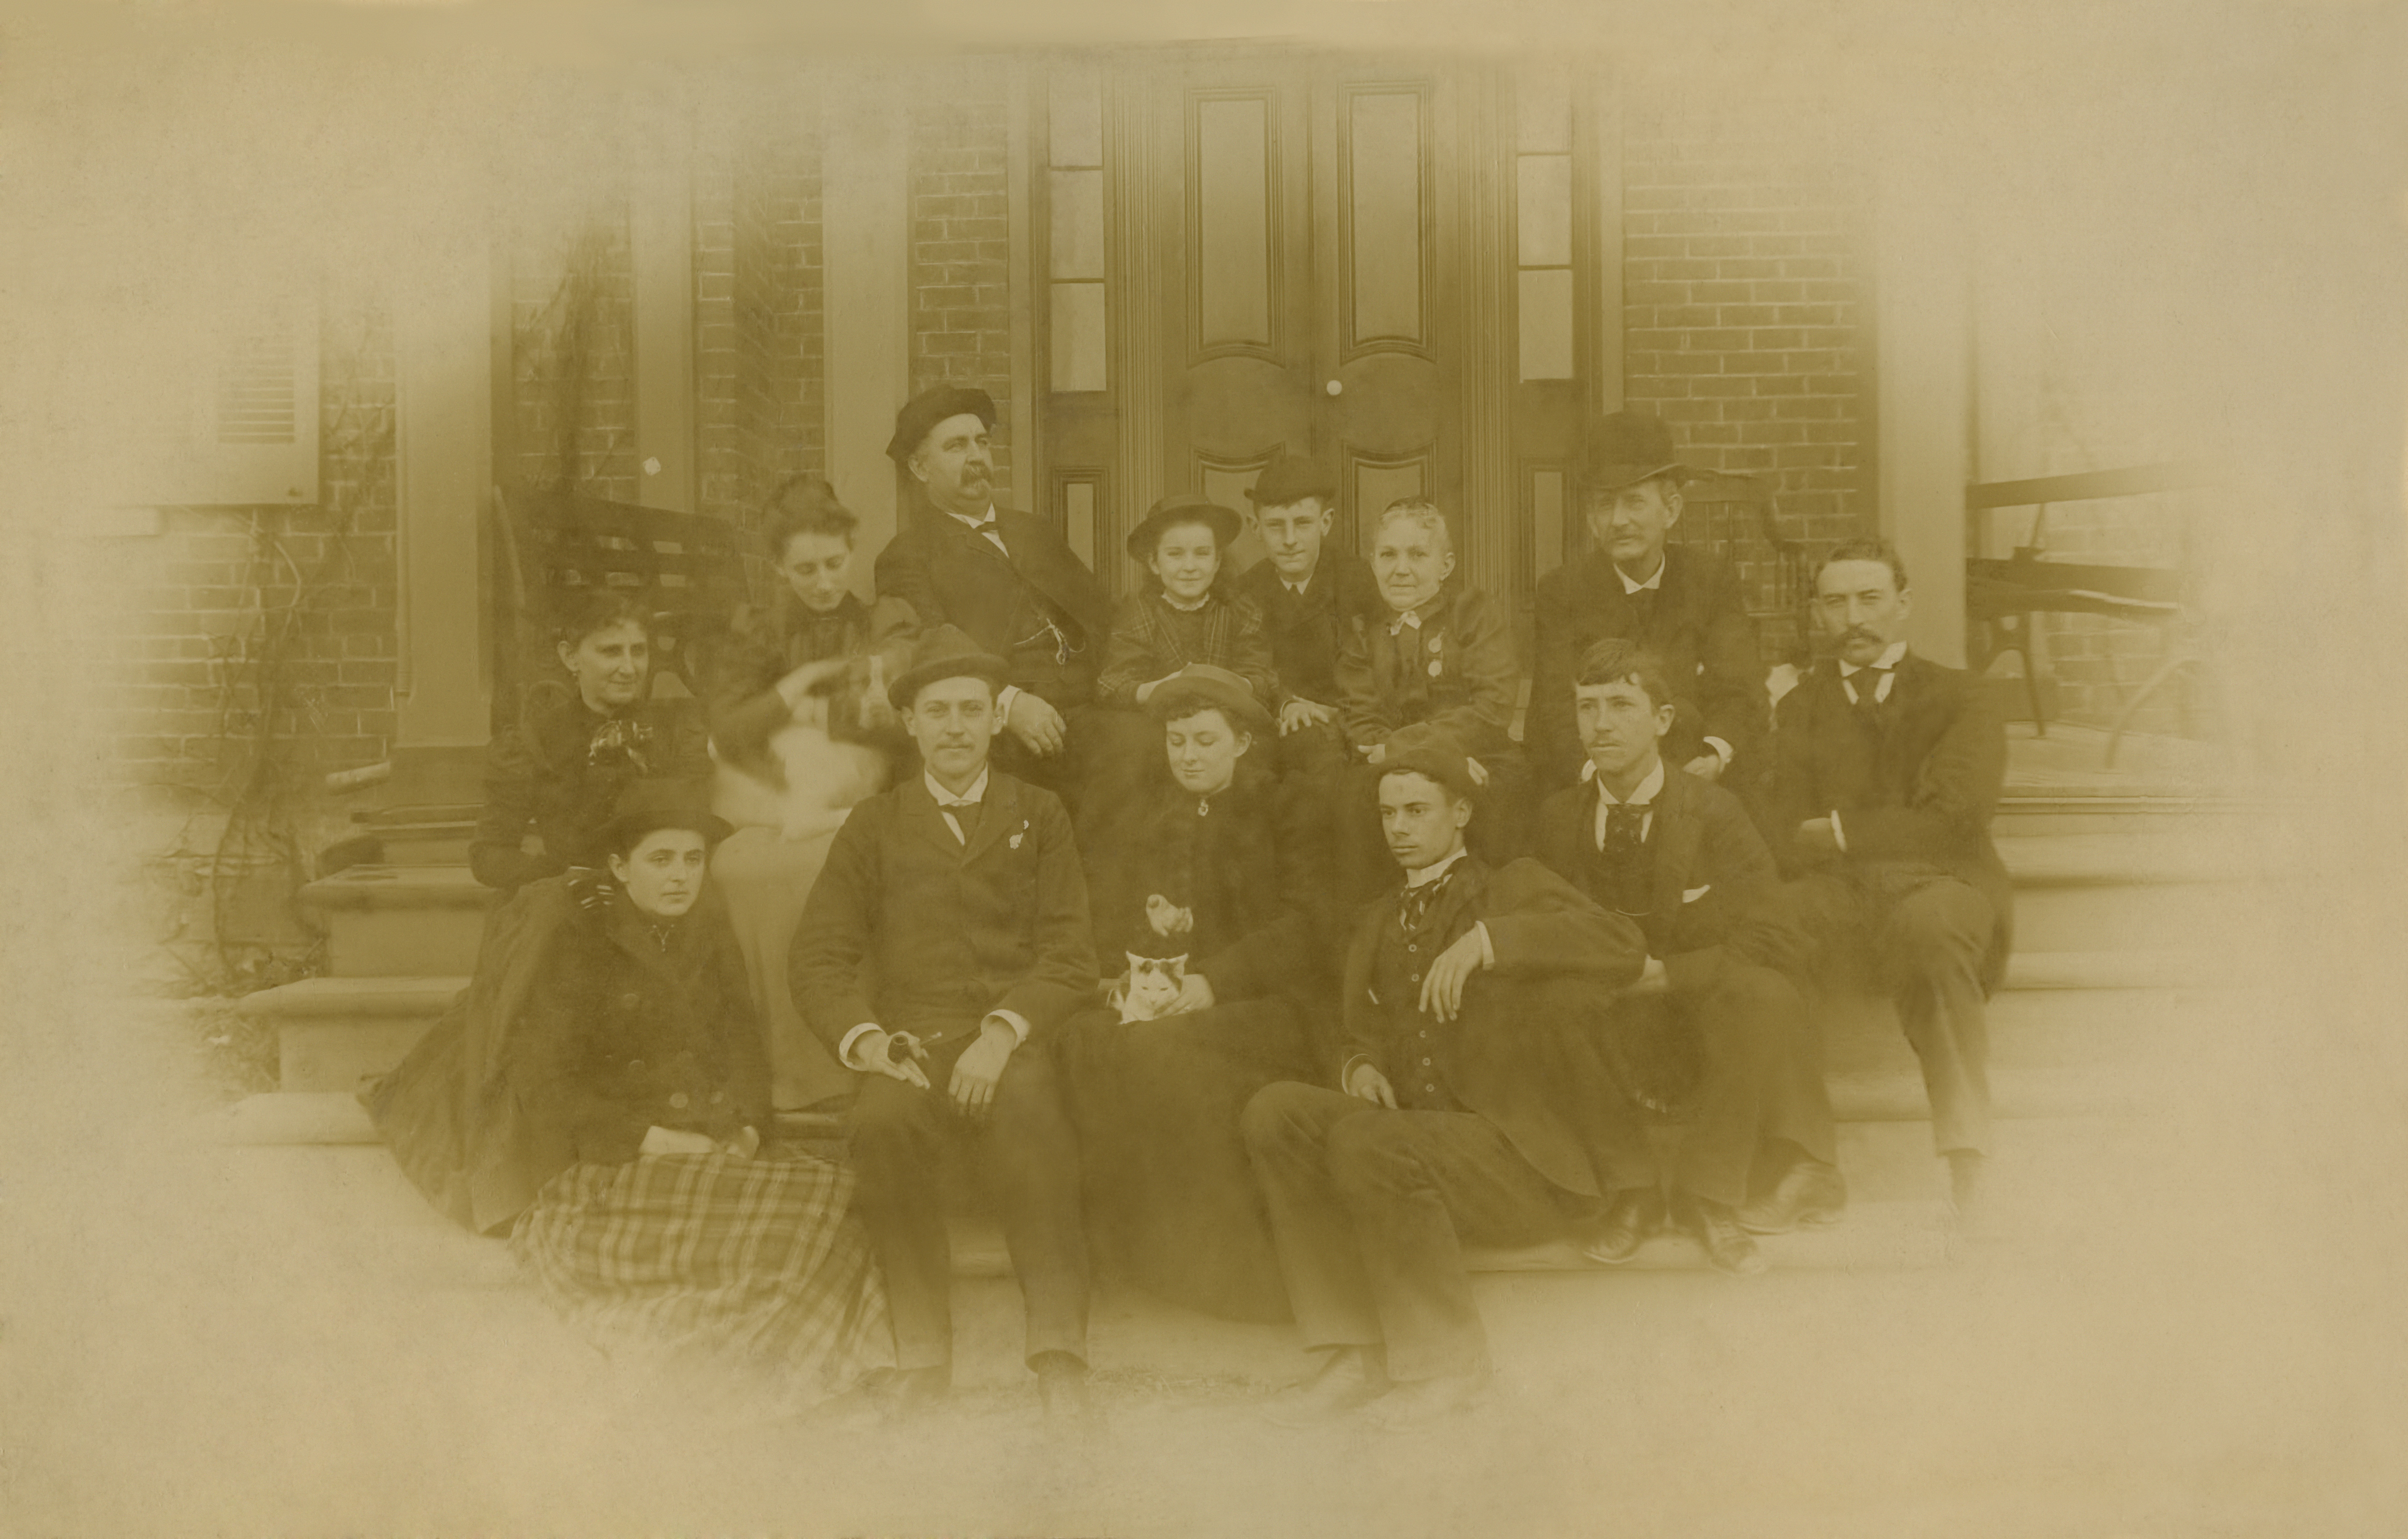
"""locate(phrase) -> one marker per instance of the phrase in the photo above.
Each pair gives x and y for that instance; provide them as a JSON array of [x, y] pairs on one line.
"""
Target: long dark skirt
[[708, 1263], [1171, 1198]]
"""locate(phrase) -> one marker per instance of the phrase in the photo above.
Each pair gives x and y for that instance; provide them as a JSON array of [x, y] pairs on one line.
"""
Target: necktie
[[1624, 830], [1410, 617], [963, 815], [1416, 906], [1867, 683]]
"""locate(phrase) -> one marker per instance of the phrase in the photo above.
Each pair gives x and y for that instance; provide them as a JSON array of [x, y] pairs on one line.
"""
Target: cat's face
[[1154, 983]]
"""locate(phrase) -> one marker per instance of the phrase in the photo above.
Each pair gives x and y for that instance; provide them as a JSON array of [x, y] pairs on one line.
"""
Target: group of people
[[1227, 937]]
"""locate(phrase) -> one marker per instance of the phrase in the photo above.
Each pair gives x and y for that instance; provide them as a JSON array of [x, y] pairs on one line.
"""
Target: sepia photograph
[[1356, 768]]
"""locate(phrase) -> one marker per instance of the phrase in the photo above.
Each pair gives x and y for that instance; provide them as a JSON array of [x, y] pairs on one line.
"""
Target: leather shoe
[[1635, 1212], [1062, 1390], [1421, 1401], [1352, 1376], [1717, 1233], [1809, 1193]]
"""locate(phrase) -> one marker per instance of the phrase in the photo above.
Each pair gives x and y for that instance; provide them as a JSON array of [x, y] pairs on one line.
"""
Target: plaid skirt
[[747, 1267]]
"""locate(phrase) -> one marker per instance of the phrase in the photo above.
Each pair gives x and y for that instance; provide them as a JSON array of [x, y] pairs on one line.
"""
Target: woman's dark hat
[[650, 804], [1183, 508], [1201, 684], [946, 652], [929, 408], [1627, 448], [1292, 478], [1422, 749]]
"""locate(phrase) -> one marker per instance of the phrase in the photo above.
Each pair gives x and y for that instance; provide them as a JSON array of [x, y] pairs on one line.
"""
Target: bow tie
[[1410, 617]]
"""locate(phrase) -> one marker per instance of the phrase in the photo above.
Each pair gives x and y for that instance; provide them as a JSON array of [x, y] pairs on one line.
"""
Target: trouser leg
[[1416, 1185], [1032, 1154], [1931, 942], [898, 1135], [1287, 1128], [1744, 1026]]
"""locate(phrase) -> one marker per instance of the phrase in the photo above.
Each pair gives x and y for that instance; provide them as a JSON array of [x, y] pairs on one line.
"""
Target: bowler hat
[[1291, 478], [1201, 684], [1625, 448], [1182, 508], [946, 652], [1424, 748], [660, 803], [929, 408]]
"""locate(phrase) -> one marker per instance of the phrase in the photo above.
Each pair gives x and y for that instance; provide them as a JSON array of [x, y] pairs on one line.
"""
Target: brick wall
[[1744, 242], [572, 316], [961, 302], [779, 301]]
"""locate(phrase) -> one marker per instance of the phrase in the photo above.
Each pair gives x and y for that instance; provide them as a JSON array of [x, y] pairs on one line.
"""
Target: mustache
[[1860, 633]]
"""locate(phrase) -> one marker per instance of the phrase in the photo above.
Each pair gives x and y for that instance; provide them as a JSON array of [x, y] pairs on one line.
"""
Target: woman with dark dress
[[1222, 884], [803, 729], [551, 780], [601, 1088]]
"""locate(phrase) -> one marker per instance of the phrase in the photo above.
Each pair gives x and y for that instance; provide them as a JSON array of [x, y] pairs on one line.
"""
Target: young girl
[[1188, 616]]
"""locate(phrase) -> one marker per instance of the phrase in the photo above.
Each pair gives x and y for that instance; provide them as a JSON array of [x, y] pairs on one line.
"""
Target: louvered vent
[[257, 397]]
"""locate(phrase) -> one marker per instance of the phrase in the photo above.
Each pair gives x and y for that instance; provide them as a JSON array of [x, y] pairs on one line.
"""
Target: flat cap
[[946, 652], [1425, 749], [929, 408], [1292, 478]]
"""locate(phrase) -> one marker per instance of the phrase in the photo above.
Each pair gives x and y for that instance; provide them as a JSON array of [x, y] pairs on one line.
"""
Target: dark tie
[[967, 814], [1624, 829], [1867, 681], [1416, 906], [1623, 855], [1643, 610]]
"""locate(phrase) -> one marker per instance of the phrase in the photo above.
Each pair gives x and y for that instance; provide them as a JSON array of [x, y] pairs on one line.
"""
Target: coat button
[[1409, 947], [1425, 1063], [681, 1100]]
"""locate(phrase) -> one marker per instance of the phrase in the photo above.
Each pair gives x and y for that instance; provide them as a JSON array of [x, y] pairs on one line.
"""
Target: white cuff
[[1487, 949], [1346, 1071], [1011, 1018], [1839, 835], [844, 1048], [1003, 698], [1722, 750]]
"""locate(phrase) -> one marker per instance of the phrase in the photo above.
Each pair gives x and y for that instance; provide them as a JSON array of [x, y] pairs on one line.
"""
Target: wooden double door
[[1325, 254]]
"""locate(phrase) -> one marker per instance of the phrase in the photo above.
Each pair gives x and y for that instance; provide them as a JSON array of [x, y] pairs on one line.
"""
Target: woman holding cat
[[800, 717], [1216, 900]]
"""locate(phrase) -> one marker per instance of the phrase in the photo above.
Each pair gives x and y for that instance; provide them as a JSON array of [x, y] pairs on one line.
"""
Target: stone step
[[395, 921], [421, 836], [331, 1031]]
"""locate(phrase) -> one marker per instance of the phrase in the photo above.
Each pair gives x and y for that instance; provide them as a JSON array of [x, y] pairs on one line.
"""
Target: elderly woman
[[551, 780], [1218, 904], [803, 729], [600, 1086]]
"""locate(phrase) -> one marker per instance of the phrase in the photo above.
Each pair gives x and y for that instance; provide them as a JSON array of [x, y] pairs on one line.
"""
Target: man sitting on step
[[1682, 858], [1461, 1110], [1886, 770], [948, 928]]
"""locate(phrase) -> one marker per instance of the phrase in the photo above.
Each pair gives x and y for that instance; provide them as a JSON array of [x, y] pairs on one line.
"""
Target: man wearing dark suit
[[1461, 1114], [948, 931], [1005, 577], [1886, 772], [1682, 858], [1680, 604], [1310, 596]]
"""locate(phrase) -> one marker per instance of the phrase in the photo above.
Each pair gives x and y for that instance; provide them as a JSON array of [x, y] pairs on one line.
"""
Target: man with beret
[[1005, 577], [946, 937], [1680, 604], [1459, 1111], [1309, 597]]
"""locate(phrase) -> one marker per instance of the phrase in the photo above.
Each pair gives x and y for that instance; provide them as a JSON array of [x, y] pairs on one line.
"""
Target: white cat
[[824, 779], [1149, 986]]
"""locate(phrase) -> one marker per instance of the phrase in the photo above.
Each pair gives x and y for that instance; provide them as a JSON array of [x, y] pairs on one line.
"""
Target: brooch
[[1017, 837]]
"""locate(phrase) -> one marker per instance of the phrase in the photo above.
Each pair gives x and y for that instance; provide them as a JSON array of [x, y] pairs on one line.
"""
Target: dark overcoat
[[1916, 788], [953, 576], [1696, 622], [908, 929], [1456, 671], [1306, 630], [1520, 1051], [559, 773]]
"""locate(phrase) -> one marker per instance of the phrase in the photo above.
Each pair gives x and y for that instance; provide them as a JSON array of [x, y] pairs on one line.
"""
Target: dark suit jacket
[[1513, 1054], [1307, 631], [1922, 791], [1717, 902], [908, 929], [952, 577], [1384, 683], [545, 776], [1698, 625]]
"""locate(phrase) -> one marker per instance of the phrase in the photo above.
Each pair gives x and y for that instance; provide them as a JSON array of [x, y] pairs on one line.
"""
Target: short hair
[[1617, 659], [577, 617], [1420, 511], [1864, 548], [804, 505]]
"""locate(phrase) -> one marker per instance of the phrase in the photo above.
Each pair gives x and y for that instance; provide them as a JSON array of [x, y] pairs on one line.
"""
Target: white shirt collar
[[1889, 658], [946, 799], [1428, 874], [1632, 585], [1186, 609], [1641, 795], [984, 521]]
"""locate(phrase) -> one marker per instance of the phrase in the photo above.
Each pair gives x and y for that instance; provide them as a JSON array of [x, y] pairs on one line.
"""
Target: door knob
[[1336, 387]]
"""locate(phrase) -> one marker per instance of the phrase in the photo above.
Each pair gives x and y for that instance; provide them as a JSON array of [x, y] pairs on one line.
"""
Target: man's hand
[[976, 1071], [745, 1145], [1366, 1083], [893, 1054], [1195, 993], [670, 1141], [1036, 724], [1443, 984], [1707, 766], [1653, 979], [1376, 755], [1299, 713], [1817, 835]]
